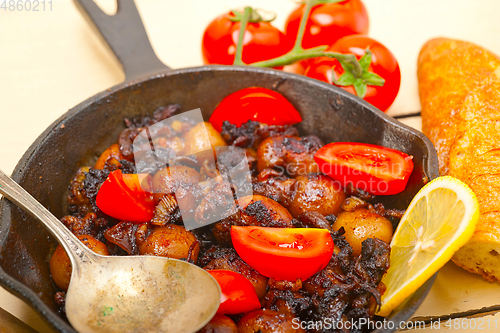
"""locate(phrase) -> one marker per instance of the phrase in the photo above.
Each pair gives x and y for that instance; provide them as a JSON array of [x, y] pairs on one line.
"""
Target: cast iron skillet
[[76, 138]]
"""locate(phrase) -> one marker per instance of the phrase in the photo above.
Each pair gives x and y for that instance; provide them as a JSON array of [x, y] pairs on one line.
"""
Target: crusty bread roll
[[459, 85]]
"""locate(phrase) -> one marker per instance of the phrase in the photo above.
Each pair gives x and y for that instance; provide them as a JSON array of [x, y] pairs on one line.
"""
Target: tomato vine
[[356, 72]]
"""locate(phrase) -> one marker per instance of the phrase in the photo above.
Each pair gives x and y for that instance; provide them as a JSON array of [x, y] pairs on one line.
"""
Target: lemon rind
[[463, 233]]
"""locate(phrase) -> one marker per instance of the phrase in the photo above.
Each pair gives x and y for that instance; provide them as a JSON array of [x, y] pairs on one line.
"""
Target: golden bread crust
[[447, 70], [459, 86]]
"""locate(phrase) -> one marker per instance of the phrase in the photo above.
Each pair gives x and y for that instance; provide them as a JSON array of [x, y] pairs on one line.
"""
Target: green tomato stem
[[238, 57], [348, 61], [303, 21], [294, 56], [298, 53], [302, 27], [255, 17]]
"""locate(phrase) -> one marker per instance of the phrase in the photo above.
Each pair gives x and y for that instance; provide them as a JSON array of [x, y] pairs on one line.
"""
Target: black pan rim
[[431, 163], [30, 297]]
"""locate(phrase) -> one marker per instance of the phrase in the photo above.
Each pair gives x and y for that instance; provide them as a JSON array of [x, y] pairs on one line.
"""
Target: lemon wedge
[[440, 219]]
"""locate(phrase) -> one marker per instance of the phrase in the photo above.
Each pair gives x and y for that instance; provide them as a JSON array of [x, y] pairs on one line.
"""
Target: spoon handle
[[18, 195]]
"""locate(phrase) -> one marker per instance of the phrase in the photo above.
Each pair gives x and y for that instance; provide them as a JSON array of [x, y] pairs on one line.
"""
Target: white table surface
[[51, 60]]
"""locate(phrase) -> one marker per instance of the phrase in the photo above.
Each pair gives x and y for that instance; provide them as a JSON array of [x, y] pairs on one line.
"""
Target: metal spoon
[[125, 293]]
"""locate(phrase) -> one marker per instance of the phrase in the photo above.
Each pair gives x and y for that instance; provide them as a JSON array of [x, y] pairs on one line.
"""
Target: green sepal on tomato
[[123, 197], [262, 40], [377, 64], [255, 103], [237, 293], [283, 253], [375, 169]]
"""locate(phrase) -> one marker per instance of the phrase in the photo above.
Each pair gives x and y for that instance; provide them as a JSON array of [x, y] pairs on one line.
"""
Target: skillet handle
[[125, 35]]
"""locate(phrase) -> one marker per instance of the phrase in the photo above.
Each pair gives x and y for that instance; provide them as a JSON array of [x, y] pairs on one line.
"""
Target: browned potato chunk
[[262, 211], [169, 179], [113, 151], [196, 142], [220, 324], [317, 193], [291, 153], [172, 241], [60, 265], [362, 224], [269, 321], [175, 143], [77, 200]]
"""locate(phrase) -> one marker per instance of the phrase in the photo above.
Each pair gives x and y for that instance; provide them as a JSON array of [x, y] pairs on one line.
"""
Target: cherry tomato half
[[262, 41], [375, 169], [123, 197], [383, 63], [237, 293], [283, 253], [257, 104], [326, 24]]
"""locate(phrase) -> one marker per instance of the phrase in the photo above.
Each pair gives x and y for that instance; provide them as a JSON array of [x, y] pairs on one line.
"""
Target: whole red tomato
[[382, 63], [326, 24], [262, 41]]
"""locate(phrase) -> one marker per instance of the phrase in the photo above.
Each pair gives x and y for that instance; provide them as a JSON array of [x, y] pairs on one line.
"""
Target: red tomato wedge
[[375, 169], [237, 293], [123, 197], [283, 253], [257, 104]]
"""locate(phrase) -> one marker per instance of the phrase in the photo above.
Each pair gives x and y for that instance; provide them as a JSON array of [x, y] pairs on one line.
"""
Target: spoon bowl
[[125, 293]]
